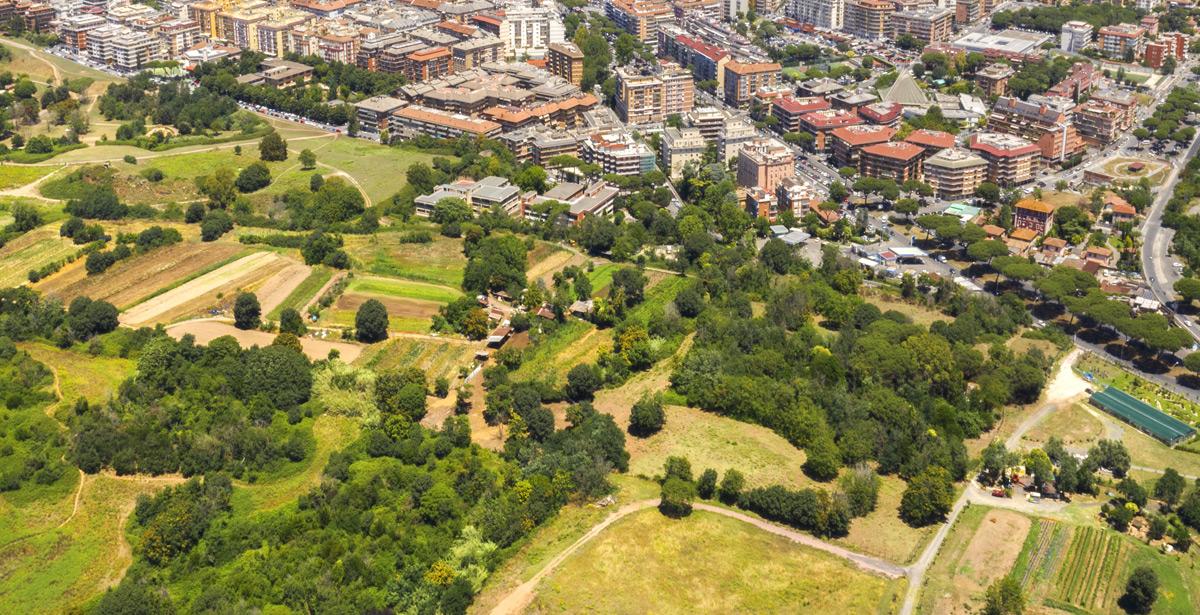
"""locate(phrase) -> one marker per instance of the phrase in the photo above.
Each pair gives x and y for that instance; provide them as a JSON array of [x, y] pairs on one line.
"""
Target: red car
[[997, 493]]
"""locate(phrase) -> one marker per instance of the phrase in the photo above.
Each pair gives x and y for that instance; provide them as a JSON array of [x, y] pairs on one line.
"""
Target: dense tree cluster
[[161, 420], [1051, 18]]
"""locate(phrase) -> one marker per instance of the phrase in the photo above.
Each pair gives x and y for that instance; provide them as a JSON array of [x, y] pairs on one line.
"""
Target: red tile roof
[[897, 151], [931, 139], [863, 134], [793, 105]]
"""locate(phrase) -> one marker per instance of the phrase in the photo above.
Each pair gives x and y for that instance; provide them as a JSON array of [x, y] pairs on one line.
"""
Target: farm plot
[[135, 279], [437, 358], [547, 259], [305, 292], [983, 547], [1092, 573], [33, 250], [1042, 553], [196, 294], [206, 331], [410, 305]]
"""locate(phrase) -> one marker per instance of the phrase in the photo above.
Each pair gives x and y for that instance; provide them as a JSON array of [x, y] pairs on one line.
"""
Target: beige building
[[566, 61], [742, 80], [651, 97], [955, 173], [869, 19], [764, 163], [1012, 161], [932, 25], [681, 146]]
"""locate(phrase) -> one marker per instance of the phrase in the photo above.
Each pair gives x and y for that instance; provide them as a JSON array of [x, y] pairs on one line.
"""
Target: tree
[[822, 456], [215, 224], [253, 177], [291, 322], [1188, 289], [632, 283], [677, 497], [995, 459], [731, 486], [25, 218], [582, 382], [220, 188], [246, 311], [496, 263], [928, 497], [861, 487], [776, 255], [1141, 591], [647, 416], [1169, 487], [1037, 464], [308, 160], [706, 485], [1004, 597], [371, 322], [987, 249], [272, 148]]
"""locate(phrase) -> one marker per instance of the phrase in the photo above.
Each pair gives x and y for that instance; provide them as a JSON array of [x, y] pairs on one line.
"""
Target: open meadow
[[711, 564]]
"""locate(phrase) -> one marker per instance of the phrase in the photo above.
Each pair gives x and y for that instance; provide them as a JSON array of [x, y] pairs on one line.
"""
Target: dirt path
[[1065, 386], [522, 596], [36, 54], [30, 190], [206, 330], [175, 152]]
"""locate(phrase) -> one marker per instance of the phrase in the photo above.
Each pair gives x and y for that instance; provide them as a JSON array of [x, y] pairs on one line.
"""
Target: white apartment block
[[527, 31], [123, 48], [827, 14], [1075, 36], [730, 9]]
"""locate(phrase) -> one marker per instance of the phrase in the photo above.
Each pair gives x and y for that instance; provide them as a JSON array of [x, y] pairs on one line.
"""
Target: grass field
[[12, 176], [981, 547], [1073, 424], [305, 292], [405, 289], [380, 170], [410, 305], [919, 314], [436, 358], [440, 262], [574, 342], [94, 378], [711, 564], [32, 250]]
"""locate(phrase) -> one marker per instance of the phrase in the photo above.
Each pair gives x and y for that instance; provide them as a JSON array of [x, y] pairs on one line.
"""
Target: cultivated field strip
[[1087, 576], [163, 304]]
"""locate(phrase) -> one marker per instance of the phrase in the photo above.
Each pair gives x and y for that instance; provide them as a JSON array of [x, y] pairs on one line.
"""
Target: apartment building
[[1075, 36], [38, 18], [820, 124], [789, 109], [967, 12], [483, 196], [869, 19], [993, 79], [955, 173], [742, 80], [475, 52], [1098, 122], [416, 120], [932, 25], [428, 63], [898, 162], [1122, 41], [565, 60], [641, 18], [733, 136], [374, 113], [932, 141], [708, 120], [1012, 161], [679, 147], [848, 142], [1051, 128], [73, 30], [592, 199], [707, 62], [764, 163], [528, 31], [644, 97], [122, 48], [825, 14], [177, 36], [882, 113], [1123, 100], [618, 153]]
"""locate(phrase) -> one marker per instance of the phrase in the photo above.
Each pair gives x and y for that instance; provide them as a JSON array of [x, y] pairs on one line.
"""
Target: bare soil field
[[206, 331], [396, 307], [136, 277], [198, 293], [277, 288], [990, 555]]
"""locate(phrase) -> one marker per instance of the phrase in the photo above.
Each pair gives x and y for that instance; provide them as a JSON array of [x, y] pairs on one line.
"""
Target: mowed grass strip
[[406, 289], [13, 176], [33, 250], [438, 262], [305, 292], [705, 563]]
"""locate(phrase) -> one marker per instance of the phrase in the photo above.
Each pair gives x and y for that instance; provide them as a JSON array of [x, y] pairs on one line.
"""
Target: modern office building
[[375, 112], [645, 97], [415, 120]]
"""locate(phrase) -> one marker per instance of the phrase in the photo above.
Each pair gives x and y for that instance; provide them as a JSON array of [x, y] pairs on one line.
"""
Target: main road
[[1156, 265]]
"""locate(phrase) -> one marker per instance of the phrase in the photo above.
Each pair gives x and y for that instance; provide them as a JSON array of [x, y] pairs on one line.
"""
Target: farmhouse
[[1145, 417]]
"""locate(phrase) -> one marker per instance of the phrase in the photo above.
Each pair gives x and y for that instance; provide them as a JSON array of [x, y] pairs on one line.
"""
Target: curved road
[[1155, 263]]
